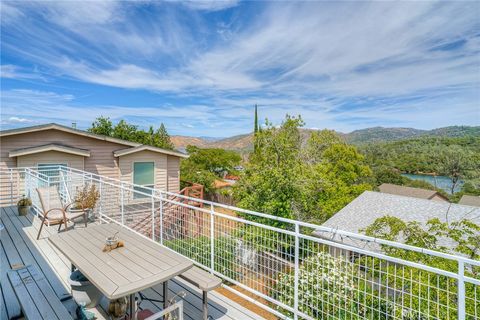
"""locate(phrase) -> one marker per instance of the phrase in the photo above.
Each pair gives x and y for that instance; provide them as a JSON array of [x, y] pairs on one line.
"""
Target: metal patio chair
[[53, 211]]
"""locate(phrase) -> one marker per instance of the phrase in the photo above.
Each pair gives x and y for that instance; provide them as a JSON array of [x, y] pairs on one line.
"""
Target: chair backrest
[[49, 198]]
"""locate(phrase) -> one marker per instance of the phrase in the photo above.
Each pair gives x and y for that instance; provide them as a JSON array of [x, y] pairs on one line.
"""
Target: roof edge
[[55, 126], [49, 147], [127, 151]]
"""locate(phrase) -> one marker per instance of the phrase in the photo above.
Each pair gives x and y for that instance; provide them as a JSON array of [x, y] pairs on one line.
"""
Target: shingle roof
[[470, 200], [366, 208], [408, 191]]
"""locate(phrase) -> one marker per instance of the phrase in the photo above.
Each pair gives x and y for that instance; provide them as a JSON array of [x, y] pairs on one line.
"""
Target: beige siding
[[160, 162], [173, 172], [101, 160], [54, 157]]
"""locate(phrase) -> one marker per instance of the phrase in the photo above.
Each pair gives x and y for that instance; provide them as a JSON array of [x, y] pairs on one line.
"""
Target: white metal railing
[[284, 269]]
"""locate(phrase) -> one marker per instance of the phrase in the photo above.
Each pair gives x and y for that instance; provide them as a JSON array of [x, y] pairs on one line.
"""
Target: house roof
[[218, 184], [55, 126], [124, 152], [49, 147], [366, 208], [409, 191], [467, 200]]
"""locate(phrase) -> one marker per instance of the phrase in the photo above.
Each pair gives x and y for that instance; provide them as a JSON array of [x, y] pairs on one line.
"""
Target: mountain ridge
[[244, 142]]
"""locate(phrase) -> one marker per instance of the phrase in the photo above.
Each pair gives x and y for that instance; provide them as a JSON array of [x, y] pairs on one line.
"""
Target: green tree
[[458, 163], [457, 158], [205, 165], [269, 183], [123, 130], [161, 138], [102, 125], [462, 235], [255, 129], [331, 179], [309, 182]]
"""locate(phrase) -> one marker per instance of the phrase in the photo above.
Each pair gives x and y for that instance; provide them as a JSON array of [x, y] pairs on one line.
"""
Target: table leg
[[132, 306], [165, 294]]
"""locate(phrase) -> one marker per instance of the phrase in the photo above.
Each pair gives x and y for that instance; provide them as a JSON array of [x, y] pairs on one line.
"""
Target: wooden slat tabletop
[[139, 265]]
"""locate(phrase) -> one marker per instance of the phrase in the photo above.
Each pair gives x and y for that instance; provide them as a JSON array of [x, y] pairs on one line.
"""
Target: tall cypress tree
[[255, 130]]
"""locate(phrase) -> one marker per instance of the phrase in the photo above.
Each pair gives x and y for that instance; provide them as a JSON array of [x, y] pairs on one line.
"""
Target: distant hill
[[244, 142], [381, 134], [393, 134]]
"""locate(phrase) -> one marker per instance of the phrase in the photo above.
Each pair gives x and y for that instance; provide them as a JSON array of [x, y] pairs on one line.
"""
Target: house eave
[[48, 147]]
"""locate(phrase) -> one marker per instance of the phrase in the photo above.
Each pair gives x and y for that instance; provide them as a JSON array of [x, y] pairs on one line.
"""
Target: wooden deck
[[18, 246]]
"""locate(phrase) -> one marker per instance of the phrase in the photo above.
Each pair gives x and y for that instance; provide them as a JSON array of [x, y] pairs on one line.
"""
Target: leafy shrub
[[371, 288]]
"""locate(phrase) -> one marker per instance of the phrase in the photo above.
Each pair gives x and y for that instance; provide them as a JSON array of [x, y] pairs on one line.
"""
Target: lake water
[[440, 182]]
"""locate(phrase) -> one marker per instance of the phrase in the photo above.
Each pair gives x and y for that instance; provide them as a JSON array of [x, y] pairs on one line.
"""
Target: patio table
[[124, 271]]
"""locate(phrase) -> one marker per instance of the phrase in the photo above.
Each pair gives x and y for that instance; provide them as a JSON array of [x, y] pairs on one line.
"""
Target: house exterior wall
[[173, 173], [160, 167], [101, 160], [53, 157]]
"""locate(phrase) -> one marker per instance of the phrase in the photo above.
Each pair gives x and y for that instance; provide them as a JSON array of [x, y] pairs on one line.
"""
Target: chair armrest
[[45, 214], [76, 209]]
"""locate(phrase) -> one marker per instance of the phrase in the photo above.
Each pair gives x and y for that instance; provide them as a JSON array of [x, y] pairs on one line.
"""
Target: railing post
[[296, 274], [212, 238], [100, 190], [161, 218], [153, 216], [26, 183], [11, 187], [461, 290], [121, 202]]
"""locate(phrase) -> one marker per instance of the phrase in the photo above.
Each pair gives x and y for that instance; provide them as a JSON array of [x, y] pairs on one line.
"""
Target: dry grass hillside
[[244, 142]]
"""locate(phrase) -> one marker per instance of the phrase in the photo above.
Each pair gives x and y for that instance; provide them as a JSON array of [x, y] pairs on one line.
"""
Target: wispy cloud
[[340, 64], [208, 5], [9, 71]]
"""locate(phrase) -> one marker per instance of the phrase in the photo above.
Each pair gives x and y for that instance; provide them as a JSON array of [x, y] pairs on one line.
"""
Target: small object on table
[[112, 242], [110, 247]]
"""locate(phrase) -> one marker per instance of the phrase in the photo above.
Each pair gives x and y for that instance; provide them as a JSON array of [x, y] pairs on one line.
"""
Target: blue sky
[[199, 67]]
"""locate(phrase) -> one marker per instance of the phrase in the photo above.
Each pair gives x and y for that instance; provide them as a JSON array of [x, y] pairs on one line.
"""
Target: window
[[143, 175]]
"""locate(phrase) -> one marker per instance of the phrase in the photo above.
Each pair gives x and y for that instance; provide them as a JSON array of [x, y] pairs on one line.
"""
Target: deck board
[[19, 246]]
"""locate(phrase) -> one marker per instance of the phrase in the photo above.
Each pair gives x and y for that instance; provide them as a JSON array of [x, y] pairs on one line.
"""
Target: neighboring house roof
[[49, 147], [218, 184], [55, 126], [232, 177], [409, 191], [124, 152], [467, 200], [366, 208]]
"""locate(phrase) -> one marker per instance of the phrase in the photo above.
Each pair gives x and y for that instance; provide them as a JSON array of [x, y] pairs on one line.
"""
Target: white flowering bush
[[326, 286]]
